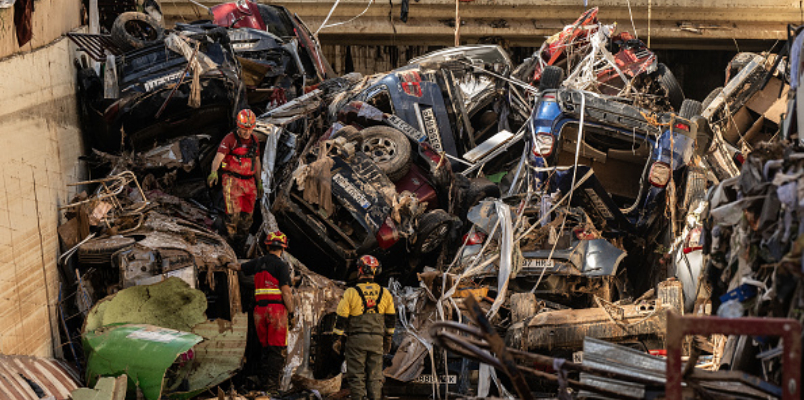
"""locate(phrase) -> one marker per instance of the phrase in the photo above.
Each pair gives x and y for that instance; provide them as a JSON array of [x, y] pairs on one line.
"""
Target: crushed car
[[460, 101], [160, 90], [594, 57]]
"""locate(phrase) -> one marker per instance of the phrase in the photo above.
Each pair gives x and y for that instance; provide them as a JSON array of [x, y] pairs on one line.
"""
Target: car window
[[381, 99], [276, 21]]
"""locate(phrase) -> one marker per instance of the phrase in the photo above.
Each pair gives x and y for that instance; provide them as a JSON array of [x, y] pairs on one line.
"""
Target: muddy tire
[[351, 134], [135, 30], [690, 108], [479, 189], [432, 229], [389, 149], [670, 85], [694, 188], [738, 63], [552, 77], [711, 97]]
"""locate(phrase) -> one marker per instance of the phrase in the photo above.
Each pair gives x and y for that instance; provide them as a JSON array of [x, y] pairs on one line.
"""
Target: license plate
[[430, 379], [431, 129], [154, 83], [405, 127], [539, 264], [351, 190], [577, 357]]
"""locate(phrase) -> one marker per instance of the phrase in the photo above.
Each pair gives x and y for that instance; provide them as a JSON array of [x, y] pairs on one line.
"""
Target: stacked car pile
[[569, 210]]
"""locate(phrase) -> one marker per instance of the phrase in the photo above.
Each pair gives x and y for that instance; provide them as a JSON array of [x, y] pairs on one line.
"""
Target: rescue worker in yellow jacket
[[366, 314]]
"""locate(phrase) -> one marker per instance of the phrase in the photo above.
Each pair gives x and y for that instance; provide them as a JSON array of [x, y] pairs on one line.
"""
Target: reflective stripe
[[267, 291]]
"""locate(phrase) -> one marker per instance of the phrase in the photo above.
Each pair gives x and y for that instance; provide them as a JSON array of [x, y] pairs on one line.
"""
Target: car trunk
[[618, 158]]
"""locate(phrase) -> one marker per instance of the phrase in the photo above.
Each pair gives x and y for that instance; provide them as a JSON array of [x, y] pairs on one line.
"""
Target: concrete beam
[[674, 24]]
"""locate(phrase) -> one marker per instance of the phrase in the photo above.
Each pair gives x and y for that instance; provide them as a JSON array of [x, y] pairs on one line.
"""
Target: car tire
[[690, 108], [671, 86], [479, 189], [351, 134], [135, 30], [694, 188], [738, 63], [711, 97], [389, 149], [552, 77], [431, 230]]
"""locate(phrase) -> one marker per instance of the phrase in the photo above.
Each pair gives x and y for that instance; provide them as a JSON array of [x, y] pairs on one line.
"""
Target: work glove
[[259, 188], [291, 321], [386, 344], [212, 179], [337, 345]]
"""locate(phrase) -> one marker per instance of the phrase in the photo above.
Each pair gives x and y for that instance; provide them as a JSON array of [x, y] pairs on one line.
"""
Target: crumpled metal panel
[[19, 374]]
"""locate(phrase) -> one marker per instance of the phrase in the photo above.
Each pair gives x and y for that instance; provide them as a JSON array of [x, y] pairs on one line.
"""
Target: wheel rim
[[381, 150], [434, 238]]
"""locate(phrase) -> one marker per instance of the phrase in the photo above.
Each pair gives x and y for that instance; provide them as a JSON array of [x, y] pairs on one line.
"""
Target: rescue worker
[[366, 314], [239, 157], [274, 308]]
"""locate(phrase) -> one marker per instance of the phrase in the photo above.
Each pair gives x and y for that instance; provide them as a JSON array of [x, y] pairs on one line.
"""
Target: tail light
[[388, 235], [693, 241], [412, 88], [543, 146], [659, 174], [410, 83], [683, 127], [660, 352], [473, 239], [738, 158], [583, 234]]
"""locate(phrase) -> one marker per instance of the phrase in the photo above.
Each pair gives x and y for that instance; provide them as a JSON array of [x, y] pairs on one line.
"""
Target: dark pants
[[364, 366], [272, 362]]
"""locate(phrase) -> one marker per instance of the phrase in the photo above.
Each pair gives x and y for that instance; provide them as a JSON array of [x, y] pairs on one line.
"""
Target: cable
[[334, 6]]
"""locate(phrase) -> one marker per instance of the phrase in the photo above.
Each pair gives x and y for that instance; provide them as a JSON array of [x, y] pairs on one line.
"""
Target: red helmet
[[367, 265], [276, 239], [246, 119]]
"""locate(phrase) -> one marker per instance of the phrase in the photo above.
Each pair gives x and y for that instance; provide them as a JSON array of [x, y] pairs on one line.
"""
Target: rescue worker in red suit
[[366, 314], [274, 308], [239, 158]]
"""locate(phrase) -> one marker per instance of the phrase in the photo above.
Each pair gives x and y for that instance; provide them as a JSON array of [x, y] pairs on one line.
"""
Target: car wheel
[[431, 231], [135, 30], [690, 108], [738, 63], [351, 134], [389, 149], [694, 188], [671, 86], [711, 97], [552, 77], [479, 189]]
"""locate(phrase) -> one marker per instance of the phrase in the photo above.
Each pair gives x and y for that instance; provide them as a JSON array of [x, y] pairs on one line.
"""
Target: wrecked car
[[343, 206], [152, 94], [624, 166], [596, 58], [283, 60], [746, 111], [455, 97]]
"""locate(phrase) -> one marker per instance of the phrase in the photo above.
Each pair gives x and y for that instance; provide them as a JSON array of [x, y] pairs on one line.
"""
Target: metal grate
[[96, 46]]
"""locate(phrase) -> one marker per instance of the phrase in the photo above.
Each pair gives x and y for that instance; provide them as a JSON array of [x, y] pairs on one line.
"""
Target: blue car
[[629, 166]]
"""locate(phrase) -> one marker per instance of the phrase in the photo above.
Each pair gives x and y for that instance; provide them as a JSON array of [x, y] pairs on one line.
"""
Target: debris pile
[[522, 219]]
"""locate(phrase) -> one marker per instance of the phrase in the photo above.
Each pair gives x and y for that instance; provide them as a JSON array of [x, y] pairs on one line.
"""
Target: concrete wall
[[41, 143], [51, 19]]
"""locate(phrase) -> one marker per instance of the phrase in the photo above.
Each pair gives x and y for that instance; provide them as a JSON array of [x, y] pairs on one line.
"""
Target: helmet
[[367, 265], [246, 119], [276, 239]]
